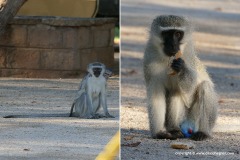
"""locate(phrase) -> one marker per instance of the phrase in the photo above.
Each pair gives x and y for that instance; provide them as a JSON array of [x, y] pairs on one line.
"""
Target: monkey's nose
[[171, 54]]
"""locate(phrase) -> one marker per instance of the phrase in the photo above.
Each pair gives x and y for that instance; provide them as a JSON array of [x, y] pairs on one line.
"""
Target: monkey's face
[[172, 41], [97, 71]]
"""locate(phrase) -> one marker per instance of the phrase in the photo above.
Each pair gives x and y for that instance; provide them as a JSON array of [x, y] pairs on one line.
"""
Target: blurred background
[[217, 42]]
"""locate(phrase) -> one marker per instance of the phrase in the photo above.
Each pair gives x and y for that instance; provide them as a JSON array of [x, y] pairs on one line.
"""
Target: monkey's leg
[[90, 106], [96, 107], [176, 112], [204, 111], [157, 111], [103, 102], [81, 107]]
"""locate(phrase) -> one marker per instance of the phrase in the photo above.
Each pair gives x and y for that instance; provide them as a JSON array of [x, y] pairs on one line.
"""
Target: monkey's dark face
[[97, 71], [172, 41]]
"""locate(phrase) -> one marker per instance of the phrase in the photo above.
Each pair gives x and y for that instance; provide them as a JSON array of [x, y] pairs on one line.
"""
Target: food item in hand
[[178, 55]]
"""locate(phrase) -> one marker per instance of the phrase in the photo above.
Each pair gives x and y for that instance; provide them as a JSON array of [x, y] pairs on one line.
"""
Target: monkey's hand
[[178, 65]]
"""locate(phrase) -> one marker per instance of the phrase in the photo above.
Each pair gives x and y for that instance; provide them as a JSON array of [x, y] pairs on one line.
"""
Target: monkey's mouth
[[97, 73], [171, 54]]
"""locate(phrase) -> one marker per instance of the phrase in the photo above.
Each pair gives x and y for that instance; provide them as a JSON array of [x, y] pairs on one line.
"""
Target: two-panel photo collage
[[119, 80]]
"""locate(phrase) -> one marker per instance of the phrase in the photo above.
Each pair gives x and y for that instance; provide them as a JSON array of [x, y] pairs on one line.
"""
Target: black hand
[[178, 65]]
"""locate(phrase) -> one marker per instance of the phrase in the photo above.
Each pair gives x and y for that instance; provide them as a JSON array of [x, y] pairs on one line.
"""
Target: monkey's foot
[[95, 116], [163, 135], [172, 135], [199, 136], [109, 116], [176, 133]]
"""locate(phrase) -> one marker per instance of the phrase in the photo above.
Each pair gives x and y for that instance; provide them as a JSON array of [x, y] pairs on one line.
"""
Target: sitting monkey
[[92, 93]]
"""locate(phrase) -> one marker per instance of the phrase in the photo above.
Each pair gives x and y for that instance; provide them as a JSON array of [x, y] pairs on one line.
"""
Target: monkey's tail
[[10, 116], [71, 111], [37, 115]]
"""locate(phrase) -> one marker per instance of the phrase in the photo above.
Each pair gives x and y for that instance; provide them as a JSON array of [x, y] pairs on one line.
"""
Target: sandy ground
[[217, 40], [51, 138]]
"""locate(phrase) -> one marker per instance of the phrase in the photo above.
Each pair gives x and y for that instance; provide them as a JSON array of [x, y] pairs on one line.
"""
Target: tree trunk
[[8, 9]]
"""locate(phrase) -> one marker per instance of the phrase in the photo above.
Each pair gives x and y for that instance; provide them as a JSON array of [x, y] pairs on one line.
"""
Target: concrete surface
[[217, 40], [56, 137]]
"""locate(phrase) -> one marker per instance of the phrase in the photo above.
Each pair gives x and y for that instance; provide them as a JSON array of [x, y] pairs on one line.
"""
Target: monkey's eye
[[178, 34]]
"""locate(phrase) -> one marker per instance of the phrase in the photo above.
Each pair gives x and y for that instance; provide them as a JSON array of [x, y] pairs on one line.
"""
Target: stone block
[[105, 55], [22, 58], [60, 59], [84, 38], [101, 38], [2, 57], [14, 35], [87, 56], [43, 36], [106, 26], [28, 73], [70, 38]]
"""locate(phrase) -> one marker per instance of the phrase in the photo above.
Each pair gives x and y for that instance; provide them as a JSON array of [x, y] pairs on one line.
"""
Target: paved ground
[[51, 138], [217, 40]]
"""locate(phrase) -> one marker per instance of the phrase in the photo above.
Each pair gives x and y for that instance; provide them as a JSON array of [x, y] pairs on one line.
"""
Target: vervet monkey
[[92, 94], [188, 95]]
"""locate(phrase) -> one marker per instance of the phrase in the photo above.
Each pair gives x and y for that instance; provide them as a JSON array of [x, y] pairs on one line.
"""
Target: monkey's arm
[[187, 78], [103, 100], [84, 82]]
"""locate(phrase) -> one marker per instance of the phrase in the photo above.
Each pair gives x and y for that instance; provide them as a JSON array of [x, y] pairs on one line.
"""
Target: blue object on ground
[[187, 128]]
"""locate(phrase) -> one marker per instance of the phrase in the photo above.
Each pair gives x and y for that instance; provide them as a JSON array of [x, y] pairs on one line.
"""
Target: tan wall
[[66, 8], [55, 47]]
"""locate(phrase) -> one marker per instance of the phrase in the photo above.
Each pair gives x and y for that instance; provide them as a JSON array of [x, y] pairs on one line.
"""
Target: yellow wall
[[66, 8]]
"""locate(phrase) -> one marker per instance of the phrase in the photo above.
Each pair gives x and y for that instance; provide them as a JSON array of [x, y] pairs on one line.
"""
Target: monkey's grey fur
[[92, 94], [189, 95]]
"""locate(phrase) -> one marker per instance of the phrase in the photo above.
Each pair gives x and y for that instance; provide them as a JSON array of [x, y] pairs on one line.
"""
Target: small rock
[[131, 144], [182, 145], [127, 138]]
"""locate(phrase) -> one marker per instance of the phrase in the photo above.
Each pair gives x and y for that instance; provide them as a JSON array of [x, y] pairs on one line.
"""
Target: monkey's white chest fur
[[97, 84]]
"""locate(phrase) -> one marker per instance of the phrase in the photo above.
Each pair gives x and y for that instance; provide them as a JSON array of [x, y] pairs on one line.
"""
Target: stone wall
[[52, 47]]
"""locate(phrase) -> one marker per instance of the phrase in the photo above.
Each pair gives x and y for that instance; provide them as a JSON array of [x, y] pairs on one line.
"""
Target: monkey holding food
[[188, 94]]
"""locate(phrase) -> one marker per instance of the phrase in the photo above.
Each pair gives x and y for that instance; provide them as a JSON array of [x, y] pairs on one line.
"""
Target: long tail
[[37, 115], [71, 111]]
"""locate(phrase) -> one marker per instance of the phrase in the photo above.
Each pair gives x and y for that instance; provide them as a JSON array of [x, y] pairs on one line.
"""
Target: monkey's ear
[[108, 73], [89, 67], [103, 65]]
